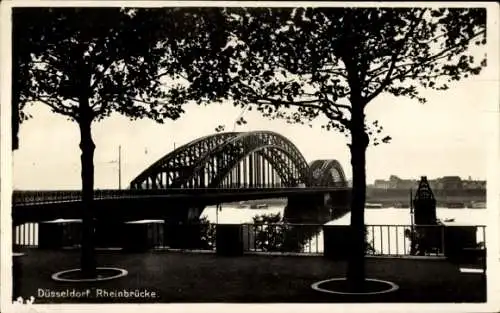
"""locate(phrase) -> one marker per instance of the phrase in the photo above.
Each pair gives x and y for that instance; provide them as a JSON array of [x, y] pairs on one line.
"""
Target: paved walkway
[[188, 277]]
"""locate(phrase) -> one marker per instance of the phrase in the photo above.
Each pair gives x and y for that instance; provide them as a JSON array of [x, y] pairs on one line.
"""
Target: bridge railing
[[52, 196], [27, 197]]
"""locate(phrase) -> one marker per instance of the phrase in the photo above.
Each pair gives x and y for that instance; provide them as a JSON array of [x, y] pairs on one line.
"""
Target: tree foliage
[[305, 64], [271, 233], [22, 47], [127, 61], [319, 62], [208, 234]]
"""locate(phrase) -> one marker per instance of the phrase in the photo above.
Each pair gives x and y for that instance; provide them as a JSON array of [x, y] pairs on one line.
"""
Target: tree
[[269, 232], [21, 50], [330, 63], [86, 63]]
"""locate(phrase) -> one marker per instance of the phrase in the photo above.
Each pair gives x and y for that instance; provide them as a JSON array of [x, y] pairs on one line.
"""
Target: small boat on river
[[369, 205], [478, 205]]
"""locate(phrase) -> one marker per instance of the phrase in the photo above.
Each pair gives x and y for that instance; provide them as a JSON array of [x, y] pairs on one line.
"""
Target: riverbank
[[382, 202]]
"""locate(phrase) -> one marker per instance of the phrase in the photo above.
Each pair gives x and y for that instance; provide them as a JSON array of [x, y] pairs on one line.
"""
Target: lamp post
[[411, 208], [119, 161], [217, 208], [120, 167], [413, 236]]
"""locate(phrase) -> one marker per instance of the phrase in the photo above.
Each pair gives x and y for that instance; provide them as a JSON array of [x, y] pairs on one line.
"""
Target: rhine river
[[392, 216], [385, 240]]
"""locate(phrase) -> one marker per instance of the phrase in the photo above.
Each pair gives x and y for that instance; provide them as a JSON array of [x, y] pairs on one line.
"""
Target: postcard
[[250, 155]]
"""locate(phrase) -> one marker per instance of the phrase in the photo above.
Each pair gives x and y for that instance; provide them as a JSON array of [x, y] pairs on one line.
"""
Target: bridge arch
[[327, 173], [179, 160], [221, 160], [281, 154]]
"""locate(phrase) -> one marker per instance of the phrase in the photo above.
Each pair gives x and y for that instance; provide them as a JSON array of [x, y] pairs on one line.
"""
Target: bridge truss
[[258, 159]]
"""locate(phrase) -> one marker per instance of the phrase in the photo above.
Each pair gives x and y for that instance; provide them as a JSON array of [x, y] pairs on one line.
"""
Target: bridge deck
[[152, 204], [21, 198]]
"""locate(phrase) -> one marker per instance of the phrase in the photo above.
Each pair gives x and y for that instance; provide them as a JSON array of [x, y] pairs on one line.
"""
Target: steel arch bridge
[[257, 159]]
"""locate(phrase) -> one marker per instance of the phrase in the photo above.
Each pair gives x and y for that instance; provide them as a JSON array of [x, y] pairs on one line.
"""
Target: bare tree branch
[[329, 110], [414, 65], [338, 117], [371, 73], [100, 74], [438, 56], [57, 107], [395, 57], [338, 72], [341, 106], [149, 102], [303, 103], [101, 109]]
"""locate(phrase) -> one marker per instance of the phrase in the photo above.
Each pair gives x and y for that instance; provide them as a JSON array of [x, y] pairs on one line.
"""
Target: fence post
[[443, 244], [140, 236], [485, 255], [14, 241], [336, 241], [229, 239], [248, 237]]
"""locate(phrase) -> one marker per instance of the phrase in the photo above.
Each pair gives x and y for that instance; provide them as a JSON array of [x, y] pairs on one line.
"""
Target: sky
[[449, 135], [452, 134]]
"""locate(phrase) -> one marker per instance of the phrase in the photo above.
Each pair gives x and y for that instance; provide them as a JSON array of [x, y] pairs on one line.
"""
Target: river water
[[385, 240], [392, 216]]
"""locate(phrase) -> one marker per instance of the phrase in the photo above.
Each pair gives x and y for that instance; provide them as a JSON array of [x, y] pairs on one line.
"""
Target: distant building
[[473, 184], [446, 182], [394, 182], [450, 182], [398, 183], [381, 184]]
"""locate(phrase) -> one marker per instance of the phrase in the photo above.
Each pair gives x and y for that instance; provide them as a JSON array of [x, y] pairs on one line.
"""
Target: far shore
[[385, 203]]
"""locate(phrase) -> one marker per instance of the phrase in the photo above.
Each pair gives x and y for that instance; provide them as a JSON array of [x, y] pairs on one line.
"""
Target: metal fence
[[381, 240], [184, 237], [401, 240], [285, 238], [25, 235], [423, 240]]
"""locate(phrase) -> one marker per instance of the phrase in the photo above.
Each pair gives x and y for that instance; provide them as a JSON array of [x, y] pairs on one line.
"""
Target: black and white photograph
[[250, 152]]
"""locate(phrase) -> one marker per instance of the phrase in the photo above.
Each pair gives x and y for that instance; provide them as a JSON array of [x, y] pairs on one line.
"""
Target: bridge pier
[[316, 208], [308, 209]]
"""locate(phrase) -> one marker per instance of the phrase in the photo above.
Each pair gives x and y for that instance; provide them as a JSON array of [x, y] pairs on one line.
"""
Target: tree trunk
[[16, 97], [359, 142], [88, 262]]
